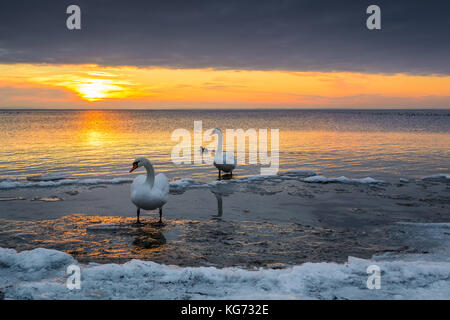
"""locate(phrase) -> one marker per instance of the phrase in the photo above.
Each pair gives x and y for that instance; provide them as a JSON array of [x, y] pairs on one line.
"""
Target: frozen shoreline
[[40, 274], [291, 236], [61, 179]]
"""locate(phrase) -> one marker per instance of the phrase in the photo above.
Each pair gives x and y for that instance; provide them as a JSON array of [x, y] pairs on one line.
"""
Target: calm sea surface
[[380, 144]]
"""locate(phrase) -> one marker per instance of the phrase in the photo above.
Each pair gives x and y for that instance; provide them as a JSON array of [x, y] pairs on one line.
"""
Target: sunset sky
[[224, 54]]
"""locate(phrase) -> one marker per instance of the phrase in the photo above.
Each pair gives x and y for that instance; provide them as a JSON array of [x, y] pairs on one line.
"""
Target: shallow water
[[102, 144], [273, 221]]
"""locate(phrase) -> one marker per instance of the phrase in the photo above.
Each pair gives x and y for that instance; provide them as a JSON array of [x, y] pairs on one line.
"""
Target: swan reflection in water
[[219, 205], [222, 191]]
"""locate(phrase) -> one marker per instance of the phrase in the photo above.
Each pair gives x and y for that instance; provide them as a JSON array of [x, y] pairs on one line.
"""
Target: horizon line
[[228, 109]]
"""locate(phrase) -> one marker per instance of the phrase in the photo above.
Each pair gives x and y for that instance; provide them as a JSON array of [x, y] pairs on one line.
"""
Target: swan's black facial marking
[[135, 166]]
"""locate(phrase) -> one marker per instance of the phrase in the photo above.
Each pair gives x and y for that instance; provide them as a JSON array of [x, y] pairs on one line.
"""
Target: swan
[[149, 192], [223, 161]]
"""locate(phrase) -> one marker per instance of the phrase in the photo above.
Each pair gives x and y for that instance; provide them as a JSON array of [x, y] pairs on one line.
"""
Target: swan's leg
[[219, 174], [160, 215], [138, 213]]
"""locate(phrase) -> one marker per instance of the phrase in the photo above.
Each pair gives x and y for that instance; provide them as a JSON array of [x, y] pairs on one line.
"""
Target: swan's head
[[138, 162], [217, 131]]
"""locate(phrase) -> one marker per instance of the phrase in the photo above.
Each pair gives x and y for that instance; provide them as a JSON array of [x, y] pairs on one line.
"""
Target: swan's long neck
[[150, 173], [219, 151]]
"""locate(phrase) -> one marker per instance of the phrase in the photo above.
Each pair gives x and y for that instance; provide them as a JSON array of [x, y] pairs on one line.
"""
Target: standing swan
[[149, 192], [223, 162]]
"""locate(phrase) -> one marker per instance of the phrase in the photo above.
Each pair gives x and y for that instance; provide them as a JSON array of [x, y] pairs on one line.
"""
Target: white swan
[[223, 162], [149, 192]]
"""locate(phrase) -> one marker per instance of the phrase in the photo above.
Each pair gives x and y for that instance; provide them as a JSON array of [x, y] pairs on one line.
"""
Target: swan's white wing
[[137, 183], [138, 189], [228, 158], [161, 186]]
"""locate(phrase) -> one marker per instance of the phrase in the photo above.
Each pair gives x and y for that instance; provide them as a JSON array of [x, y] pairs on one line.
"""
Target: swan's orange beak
[[134, 167]]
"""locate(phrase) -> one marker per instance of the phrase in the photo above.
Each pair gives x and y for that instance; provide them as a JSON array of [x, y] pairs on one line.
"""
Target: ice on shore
[[103, 226], [343, 179], [179, 186], [11, 198], [306, 175], [48, 199], [438, 177], [13, 184], [6, 184], [299, 173], [41, 274], [50, 177]]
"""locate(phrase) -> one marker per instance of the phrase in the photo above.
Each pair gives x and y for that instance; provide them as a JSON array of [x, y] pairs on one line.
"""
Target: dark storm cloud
[[295, 35]]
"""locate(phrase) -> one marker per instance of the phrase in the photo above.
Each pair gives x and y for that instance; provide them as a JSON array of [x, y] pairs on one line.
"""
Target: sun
[[97, 89]]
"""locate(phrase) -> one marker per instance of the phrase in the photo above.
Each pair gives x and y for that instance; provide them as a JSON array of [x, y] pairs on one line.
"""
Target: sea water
[[102, 144]]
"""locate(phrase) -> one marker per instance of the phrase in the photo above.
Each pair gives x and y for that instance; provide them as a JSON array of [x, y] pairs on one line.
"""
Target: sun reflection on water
[[100, 143]]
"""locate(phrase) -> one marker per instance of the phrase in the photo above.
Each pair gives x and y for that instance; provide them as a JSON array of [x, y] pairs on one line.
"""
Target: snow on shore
[[40, 274]]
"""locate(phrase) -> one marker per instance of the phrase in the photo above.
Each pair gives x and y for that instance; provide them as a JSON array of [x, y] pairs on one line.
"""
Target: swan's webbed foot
[[138, 222], [227, 176], [159, 223]]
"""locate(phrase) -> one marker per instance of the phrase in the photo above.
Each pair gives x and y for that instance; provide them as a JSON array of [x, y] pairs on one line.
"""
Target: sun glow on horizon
[[97, 89], [47, 85]]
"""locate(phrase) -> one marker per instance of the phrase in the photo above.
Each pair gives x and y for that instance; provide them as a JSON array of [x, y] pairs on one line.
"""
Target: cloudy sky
[[210, 54]]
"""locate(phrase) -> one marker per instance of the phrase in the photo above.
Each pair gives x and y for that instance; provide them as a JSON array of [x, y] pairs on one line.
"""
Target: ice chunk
[[50, 177], [104, 226], [342, 179], [299, 173], [13, 184], [438, 177]]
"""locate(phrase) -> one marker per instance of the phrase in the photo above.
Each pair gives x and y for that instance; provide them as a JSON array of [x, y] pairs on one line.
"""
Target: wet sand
[[274, 222]]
